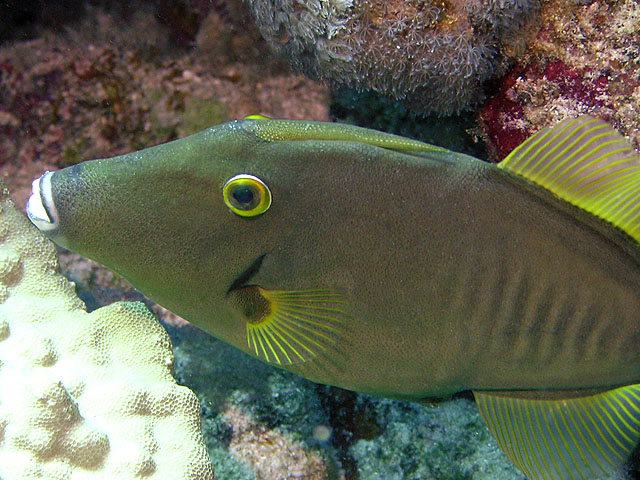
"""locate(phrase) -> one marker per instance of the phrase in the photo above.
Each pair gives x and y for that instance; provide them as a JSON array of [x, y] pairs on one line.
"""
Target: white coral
[[84, 395]]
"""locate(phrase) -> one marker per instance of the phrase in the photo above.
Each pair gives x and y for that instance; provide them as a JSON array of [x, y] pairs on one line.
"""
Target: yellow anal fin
[[584, 438], [290, 327], [588, 164]]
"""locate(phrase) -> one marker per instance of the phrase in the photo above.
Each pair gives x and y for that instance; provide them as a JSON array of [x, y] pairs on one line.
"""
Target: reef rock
[[84, 395], [584, 60]]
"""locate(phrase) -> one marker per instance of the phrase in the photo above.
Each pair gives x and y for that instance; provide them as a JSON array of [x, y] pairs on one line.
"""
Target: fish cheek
[[282, 268]]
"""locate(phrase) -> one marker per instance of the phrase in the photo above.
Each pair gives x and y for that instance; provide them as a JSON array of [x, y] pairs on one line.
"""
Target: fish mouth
[[40, 208]]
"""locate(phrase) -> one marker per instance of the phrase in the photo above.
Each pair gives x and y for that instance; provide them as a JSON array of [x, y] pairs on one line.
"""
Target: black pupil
[[243, 195]]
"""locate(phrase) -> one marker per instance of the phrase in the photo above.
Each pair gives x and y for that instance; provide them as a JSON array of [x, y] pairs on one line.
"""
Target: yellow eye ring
[[246, 195]]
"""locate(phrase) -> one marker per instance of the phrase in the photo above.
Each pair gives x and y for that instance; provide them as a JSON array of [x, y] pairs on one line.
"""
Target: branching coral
[[84, 396], [433, 54]]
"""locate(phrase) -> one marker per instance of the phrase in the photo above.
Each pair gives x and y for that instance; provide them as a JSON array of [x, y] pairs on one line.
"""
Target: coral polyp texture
[[84, 395], [432, 54]]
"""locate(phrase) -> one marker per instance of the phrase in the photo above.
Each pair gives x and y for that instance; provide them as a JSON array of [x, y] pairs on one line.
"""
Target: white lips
[[40, 208]]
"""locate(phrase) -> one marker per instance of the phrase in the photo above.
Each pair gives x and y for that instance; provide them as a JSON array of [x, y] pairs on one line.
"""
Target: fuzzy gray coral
[[434, 55]]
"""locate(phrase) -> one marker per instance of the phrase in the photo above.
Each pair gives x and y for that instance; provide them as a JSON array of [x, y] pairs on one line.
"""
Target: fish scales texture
[[391, 267]]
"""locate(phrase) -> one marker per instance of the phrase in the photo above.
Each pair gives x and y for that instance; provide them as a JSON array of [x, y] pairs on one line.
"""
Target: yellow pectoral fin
[[585, 438], [289, 327]]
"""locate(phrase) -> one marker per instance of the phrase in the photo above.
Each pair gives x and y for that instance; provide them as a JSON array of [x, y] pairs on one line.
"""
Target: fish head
[[198, 223], [186, 222]]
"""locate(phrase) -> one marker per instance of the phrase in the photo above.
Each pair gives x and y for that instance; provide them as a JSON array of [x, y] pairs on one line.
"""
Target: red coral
[[498, 117], [521, 102], [574, 84], [503, 138]]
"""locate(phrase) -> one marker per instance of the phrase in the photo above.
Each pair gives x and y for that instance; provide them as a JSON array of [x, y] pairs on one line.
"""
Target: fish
[[392, 267]]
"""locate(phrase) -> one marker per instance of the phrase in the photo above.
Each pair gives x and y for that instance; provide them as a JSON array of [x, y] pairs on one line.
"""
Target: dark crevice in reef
[[23, 20], [372, 110], [352, 417]]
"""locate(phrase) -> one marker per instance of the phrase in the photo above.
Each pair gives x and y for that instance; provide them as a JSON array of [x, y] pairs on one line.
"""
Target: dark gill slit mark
[[244, 277]]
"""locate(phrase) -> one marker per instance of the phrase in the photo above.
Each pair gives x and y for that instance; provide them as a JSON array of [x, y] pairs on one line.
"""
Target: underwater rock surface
[[448, 441], [584, 59]]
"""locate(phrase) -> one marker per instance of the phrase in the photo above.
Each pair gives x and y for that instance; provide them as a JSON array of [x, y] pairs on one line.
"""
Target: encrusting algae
[[584, 60]]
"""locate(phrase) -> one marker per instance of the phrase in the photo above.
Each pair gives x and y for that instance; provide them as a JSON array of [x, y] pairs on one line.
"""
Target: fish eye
[[246, 195]]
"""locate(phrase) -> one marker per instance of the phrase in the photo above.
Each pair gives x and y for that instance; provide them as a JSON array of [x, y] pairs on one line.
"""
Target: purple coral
[[433, 55]]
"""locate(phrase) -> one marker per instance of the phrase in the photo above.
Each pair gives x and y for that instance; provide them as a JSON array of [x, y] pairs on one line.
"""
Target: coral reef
[[433, 55], [419, 443], [84, 396], [114, 84], [584, 60]]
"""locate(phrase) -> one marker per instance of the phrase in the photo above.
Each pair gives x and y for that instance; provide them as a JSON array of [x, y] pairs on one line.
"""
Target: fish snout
[[41, 208]]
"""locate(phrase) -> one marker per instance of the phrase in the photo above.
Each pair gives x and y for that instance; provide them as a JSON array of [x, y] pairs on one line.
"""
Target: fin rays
[[588, 164], [578, 438], [301, 325]]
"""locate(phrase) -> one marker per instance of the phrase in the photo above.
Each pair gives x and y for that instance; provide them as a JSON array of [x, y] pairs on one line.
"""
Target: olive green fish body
[[377, 264]]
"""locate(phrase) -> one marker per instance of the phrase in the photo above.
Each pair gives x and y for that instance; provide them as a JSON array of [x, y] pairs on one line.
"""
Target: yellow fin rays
[[581, 438], [299, 325], [588, 164]]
